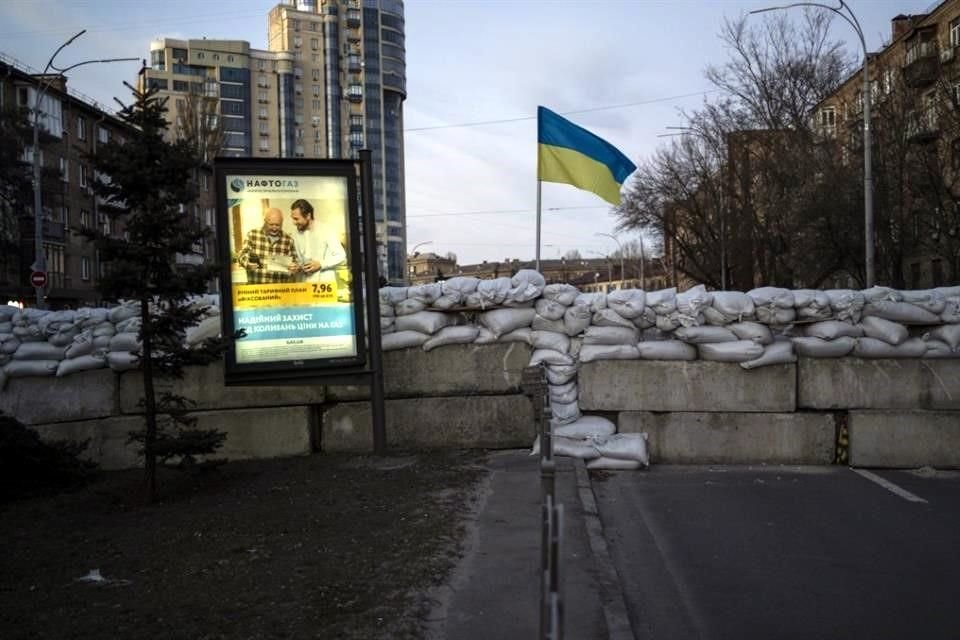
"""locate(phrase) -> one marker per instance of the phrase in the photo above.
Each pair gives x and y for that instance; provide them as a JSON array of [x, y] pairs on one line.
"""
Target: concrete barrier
[[734, 438], [451, 370], [856, 383], [905, 439], [478, 421], [650, 385], [42, 400]]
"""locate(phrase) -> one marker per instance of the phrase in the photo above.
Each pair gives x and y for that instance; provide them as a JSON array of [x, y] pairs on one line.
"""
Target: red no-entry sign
[[38, 278]]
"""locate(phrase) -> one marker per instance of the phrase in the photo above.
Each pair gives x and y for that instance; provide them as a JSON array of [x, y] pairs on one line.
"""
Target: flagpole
[[538, 224]]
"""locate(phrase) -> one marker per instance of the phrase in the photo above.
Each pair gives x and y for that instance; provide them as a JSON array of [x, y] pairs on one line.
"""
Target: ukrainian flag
[[572, 155]]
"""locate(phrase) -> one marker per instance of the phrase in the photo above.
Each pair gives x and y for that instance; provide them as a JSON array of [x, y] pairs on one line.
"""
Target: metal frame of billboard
[[291, 350]]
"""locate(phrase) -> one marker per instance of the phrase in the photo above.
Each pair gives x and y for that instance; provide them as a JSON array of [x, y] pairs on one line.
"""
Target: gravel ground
[[325, 546]]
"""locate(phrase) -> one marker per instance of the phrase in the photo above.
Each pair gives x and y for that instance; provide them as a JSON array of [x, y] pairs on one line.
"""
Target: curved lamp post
[[850, 18], [413, 251], [40, 259]]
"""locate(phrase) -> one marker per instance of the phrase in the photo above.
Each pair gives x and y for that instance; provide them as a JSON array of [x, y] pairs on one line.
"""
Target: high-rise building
[[331, 81]]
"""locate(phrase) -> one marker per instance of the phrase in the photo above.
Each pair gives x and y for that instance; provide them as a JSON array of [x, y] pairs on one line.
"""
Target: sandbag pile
[[36, 342], [594, 439]]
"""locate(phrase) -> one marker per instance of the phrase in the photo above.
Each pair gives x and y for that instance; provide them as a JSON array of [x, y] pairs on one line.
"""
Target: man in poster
[[318, 252], [268, 254]]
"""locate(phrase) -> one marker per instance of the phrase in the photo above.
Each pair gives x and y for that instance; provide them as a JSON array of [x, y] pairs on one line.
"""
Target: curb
[[611, 591]]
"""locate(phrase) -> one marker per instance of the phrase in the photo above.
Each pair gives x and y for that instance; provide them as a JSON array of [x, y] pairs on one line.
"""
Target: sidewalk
[[494, 591]]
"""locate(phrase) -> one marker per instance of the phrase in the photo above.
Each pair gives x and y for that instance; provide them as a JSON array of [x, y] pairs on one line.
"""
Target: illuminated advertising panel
[[290, 276]]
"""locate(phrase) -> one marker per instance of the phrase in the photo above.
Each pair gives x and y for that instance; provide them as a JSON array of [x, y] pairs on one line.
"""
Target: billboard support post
[[371, 293]]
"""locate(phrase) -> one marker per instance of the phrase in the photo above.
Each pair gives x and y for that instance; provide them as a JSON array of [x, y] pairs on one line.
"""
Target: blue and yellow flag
[[572, 155]]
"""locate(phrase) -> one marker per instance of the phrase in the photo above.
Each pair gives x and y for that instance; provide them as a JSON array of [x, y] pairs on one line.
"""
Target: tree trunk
[[149, 403]]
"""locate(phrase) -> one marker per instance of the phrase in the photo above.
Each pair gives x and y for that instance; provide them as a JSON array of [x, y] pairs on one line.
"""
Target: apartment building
[[914, 85], [331, 81], [73, 125]]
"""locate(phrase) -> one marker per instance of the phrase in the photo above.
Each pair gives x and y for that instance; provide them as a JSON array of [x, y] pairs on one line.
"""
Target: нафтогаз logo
[[237, 184]]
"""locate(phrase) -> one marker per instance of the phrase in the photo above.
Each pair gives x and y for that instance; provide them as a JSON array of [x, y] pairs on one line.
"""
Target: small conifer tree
[[147, 187]]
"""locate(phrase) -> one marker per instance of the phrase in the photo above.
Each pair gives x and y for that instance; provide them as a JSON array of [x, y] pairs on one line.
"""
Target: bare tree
[[200, 124]]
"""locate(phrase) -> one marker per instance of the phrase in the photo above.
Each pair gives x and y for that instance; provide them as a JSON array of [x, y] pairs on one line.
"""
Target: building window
[[316, 75], [316, 106], [297, 41], [180, 55], [64, 169], [316, 89], [314, 43], [200, 55], [84, 268], [181, 85], [204, 182], [262, 96], [955, 32], [82, 172], [261, 65], [264, 129], [64, 215], [81, 128], [295, 24], [263, 113], [315, 57], [298, 72], [103, 135], [85, 220], [104, 224], [264, 144], [318, 149]]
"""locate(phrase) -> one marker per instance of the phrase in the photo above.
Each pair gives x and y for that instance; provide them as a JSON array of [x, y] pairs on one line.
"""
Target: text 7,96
[[322, 288]]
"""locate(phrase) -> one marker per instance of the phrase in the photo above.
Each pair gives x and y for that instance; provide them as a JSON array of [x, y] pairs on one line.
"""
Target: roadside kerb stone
[[651, 385], [734, 438], [905, 439], [858, 383], [478, 421], [450, 370]]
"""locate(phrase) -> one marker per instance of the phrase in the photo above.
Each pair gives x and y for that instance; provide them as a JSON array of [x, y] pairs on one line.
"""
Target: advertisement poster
[[290, 279]]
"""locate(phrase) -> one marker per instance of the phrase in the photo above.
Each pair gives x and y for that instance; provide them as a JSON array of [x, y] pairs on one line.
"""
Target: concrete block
[[251, 433], [456, 369], [734, 438], [479, 421], [204, 385], [107, 439], [905, 439], [858, 383], [46, 399], [700, 385]]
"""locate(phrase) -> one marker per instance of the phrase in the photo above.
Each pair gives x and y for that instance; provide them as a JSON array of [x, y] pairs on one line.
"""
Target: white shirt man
[[318, 252]]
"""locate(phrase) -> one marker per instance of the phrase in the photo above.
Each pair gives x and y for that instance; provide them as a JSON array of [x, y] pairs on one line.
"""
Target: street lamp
[[620, 248], [413, 251], [40, 259], [868, 220]]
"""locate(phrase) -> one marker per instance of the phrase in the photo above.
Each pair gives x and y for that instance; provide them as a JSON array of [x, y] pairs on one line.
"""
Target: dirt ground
[[326, 546]]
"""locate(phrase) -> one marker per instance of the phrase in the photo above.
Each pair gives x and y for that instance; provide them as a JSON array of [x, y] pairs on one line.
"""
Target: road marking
[[889, 486]]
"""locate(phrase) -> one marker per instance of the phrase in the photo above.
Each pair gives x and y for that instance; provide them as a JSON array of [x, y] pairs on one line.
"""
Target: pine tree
[[147, 184]]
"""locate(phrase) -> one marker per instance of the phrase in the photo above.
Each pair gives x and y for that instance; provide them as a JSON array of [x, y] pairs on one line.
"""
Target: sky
[[476, 72]]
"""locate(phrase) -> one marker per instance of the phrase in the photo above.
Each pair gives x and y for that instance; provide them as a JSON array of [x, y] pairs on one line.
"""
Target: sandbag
[[733, 305], [207, 329], [462, 286], [902, 312], [611, 335], [564, 393], [576, 319], [775, 316], [846, 304], [425, 293], [82, 363], [753, 331], [780, 352], [951, 311], [549, 309], [929, 300], [594, 300], [63, 337], [667, 322], [646, 320], [122, 361], [628, 303], [550, 340], [82, 345], [501, 321], [387, 324], [948, 333], [452, 335], [408, 307], [549, 356], [517, 335], [666, 350], [875, 348], [125, 342], [879, 293], [104, 329], [563, 294], [561, 373], [6, 327], [591, 352], [886, 330], [493, 292], [123, 312], [446, 302], [403, 340], [940, 349], [612, 464], [569, 447], [26, 368], [428, 322], [39, 351], [704, 335], [9, 344], [693, 301], [29, 333], [585, 427], [832, 329], [811, 347], [663, 301], [386, 310], [738, 351], [812, 304], [92, 316], [393, 295], [130, 325], [772, 297], [526, 284], [102, 342], [484, 336], [565, 412], [541, 323], [7, 312], [610, 318], [624, 446]]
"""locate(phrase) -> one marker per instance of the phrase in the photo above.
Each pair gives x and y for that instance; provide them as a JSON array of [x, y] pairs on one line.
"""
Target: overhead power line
[[497, 212]]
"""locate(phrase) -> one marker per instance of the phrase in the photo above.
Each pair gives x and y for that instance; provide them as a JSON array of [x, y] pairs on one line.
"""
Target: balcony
[[54, 231], [922, 128], [353, 18], [922, 67]]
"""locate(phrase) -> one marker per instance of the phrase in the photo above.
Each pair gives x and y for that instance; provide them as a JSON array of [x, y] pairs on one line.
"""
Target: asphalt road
[[785, 552]]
